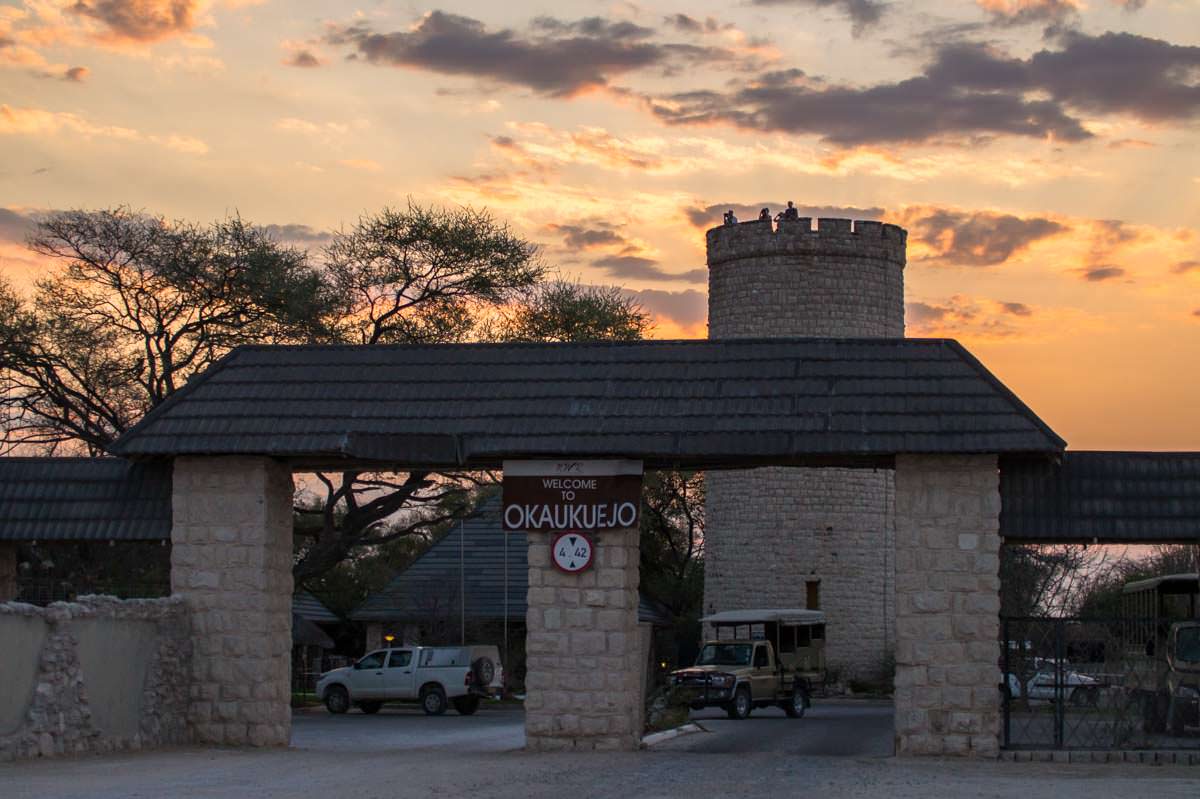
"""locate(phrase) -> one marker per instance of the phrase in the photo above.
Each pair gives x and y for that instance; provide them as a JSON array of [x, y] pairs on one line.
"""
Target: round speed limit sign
[[572, 552]]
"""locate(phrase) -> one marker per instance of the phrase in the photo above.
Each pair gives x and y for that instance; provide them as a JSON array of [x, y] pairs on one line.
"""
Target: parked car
[[437, 677], [1078, 689]]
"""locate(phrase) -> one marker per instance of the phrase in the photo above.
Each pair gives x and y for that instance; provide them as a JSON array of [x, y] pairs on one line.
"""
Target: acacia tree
[[672, 550], [138, 307]]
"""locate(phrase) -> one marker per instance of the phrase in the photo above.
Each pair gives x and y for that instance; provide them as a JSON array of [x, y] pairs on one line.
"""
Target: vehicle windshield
[[1187, 644], [724, 655]]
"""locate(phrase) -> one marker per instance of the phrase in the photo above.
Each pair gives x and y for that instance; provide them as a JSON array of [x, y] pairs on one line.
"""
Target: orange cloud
[[40, 122]]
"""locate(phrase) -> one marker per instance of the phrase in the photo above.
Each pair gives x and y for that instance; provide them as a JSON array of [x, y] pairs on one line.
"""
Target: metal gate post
[[1059, 693], [1005, 693]]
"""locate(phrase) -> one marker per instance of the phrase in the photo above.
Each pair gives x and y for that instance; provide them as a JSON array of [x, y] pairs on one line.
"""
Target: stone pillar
[[231, 560], [584, 667], [947, 605], [8, 571]]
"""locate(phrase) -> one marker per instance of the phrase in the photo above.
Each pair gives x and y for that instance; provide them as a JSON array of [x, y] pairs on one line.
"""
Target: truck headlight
[[722, 680]]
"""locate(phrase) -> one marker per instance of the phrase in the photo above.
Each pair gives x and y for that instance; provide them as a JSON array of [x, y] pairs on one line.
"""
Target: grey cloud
[[303, 59], [5, 41], [14, 225], [1096, 274], [686, 307], [143, 21], [921, 313], [593, 26], [979, 238], [76, 74], [580, 237], [1196, 313], [297, 233], [708, 216], [913, 110], [862, 13], [554, 57], [1185, 266], [635, 267], [1121, 73], [1017, 308], [967, 90], [1040, 12]]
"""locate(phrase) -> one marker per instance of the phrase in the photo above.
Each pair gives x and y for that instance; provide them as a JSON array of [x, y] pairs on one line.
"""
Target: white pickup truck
[[434, 676]]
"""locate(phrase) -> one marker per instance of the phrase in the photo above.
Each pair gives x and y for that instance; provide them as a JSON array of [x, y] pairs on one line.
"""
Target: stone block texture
[[584, 656], [770, 531], [231, 561], [947, 699], [73, 687]]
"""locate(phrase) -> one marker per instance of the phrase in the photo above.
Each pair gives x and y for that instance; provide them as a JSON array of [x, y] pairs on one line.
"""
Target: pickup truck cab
[[434, 676], [773, 658]]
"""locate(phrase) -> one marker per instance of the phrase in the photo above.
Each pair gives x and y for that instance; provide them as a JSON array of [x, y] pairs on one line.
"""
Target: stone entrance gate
[[925, 408]]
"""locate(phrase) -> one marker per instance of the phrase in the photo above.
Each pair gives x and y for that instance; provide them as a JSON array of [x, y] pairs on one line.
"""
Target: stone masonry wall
[[73, 684], [799, 525], [231, 560], [584, 659], [770, 531], [948, 605], [835, 281]]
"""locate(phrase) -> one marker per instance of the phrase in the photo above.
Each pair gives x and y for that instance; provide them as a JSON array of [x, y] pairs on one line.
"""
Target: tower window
[[813, 594]]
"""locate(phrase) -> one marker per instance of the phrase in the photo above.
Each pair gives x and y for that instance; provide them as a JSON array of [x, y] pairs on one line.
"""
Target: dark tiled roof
[[307, 606], [687, 403], [306, 633], [432, 585], [1113, 497], [79, 499]]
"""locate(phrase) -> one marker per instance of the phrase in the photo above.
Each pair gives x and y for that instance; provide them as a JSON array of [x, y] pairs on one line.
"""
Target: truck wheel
[[337, 700], [370, 707], [741, 705], [485, 671], [433, 700], [794, 706], [466, 705]]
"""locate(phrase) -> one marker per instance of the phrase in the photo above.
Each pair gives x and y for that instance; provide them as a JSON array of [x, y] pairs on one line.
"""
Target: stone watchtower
[[791, 537]]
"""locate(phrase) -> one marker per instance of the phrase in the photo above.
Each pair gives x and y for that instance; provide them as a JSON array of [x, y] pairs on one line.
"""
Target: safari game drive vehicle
[[1164, 619], [437, 677], [757, 658]]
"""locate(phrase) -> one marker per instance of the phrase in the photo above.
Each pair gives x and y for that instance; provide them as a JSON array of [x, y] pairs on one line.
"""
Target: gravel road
[[372, 760]]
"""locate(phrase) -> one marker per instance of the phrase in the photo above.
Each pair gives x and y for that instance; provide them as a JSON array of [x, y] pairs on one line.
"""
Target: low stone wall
[[92, 676]]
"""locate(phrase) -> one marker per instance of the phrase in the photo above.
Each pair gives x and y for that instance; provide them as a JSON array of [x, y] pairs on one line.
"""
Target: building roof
[[1109, 497], [307, 606], [1167, 584], [81, 499], [777, 615], [477, 560], [695, 403], [307, 633]]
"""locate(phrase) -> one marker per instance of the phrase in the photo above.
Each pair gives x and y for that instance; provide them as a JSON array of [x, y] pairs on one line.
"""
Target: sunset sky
[[1042, 153]]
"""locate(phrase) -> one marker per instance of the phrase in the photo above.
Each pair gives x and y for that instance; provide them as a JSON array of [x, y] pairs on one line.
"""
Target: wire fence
[[45, 591], [1075, 683]]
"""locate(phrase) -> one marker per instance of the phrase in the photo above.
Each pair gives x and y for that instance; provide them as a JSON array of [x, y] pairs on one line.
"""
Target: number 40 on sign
[[572, 552]]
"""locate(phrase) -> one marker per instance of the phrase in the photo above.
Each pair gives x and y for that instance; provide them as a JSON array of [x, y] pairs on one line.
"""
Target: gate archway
[[926, 408]]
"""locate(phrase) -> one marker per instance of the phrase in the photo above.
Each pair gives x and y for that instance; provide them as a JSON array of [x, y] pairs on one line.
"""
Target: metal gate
[[1074, 683]]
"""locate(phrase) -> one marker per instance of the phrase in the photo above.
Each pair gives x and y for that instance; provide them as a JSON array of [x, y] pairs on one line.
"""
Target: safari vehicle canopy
[[798, 634]]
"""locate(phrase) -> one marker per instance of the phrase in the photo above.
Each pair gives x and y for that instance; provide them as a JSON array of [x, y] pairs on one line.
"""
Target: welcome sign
[[553, 496]]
